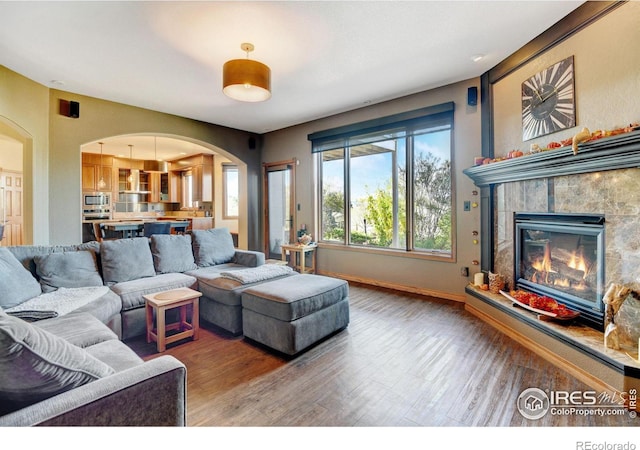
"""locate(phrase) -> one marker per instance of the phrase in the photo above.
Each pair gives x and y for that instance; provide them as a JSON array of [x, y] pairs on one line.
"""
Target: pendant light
[[101, 183], [130, 177], [246, 80], [156, 165]]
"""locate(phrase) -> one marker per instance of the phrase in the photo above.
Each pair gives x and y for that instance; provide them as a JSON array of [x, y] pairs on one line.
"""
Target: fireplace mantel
[[616, 152]]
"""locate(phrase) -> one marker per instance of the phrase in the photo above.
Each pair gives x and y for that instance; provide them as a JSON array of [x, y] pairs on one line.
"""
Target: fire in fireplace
[[562, 256]]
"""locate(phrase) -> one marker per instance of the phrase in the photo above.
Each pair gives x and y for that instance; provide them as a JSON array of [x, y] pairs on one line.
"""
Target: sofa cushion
[[213, 246], [257, 274], [35, 364], [26, 253], [217, 288], [80, 329], [61, 302], [131, 292], [67, 270], [16, 283], [126, 260], [172, 253], [115, 354], [291, 298]]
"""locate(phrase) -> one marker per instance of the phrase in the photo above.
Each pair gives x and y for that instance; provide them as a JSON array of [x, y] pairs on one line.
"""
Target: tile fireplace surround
[[603, 178]]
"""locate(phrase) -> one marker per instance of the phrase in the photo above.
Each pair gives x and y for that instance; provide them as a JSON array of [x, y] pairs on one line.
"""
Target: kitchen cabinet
[[203, 183], [165, 187], [201, 169], [156, 191], [201, 223], [93, 170], [174, 187]]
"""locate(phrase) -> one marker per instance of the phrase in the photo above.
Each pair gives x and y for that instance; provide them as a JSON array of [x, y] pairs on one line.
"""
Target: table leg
[[160, 329], [195, 318], [313, 261], [303, 261], [149, 318], [183, 317]]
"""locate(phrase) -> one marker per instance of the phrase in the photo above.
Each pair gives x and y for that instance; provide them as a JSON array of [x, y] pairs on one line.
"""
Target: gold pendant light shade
[[246, 80], [155, 165]]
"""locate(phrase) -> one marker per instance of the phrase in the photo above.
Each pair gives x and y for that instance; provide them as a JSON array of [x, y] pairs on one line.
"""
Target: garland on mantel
[[621, 151]]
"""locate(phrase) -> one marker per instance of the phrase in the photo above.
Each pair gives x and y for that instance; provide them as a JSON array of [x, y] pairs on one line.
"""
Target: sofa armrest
[[151, 394], [248, 258]]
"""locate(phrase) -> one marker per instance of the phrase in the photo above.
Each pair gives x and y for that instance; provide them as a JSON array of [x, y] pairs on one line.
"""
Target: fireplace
[[562, 256]]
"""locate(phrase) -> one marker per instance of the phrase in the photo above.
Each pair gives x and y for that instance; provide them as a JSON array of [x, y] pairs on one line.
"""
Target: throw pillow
[[67, 270], [36, 365], [172, 253], [213, 246], [126, 260], [16, 283]]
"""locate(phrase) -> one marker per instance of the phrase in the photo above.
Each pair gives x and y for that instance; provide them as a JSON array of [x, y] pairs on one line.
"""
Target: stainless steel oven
[[92, 217], [96, 200]]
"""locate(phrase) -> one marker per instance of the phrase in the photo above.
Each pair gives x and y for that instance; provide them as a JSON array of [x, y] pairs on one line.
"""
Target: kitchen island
[[133, 228]]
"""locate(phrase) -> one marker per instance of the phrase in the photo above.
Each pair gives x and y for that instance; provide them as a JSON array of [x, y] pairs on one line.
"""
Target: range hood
[[134, 185]]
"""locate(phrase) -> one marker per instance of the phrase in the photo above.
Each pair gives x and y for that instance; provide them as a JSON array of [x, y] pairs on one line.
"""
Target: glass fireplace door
[[562, 256]]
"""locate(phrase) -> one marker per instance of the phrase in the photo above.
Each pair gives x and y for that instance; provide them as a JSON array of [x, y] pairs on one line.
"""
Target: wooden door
[[11, 207]]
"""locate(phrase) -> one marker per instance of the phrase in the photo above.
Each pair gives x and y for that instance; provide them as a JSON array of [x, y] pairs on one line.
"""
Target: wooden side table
[[163, 301], [298, 258]]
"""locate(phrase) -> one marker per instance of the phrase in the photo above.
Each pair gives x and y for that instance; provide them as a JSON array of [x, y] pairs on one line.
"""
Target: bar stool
[[151, 228]]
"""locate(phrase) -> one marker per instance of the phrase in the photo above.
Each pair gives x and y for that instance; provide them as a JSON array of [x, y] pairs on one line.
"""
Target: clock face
[[548, 103]]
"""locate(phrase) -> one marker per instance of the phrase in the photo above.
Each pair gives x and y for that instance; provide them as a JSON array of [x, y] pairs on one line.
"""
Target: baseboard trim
[[398, 287]]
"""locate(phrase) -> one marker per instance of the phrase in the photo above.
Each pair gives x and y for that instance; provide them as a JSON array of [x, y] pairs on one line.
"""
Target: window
[[387, 183], [229, 191], [187, 189]]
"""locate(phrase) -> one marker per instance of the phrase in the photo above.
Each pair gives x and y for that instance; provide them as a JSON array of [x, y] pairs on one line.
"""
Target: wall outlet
[[464, 271]]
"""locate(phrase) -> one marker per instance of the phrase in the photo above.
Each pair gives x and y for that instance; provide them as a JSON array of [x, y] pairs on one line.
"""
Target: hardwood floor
[[404, 360]]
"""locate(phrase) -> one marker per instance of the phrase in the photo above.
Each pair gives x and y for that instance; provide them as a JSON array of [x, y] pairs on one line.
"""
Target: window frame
[[411, 123], [226, 168]]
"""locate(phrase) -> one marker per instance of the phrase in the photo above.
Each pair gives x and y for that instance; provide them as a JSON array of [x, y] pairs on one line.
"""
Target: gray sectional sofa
[[66, 311]]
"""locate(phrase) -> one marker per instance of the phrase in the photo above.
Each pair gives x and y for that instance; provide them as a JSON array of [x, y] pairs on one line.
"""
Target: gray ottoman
[[290, 314], [221, 302]]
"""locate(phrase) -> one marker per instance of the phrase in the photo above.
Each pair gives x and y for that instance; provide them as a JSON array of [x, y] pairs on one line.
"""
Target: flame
[[577, 262], [543, 265]]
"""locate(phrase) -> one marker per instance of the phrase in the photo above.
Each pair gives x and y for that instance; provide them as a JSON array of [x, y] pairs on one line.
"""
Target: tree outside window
[[390, 188]]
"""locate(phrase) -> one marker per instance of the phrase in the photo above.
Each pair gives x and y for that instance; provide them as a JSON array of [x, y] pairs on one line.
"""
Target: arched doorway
[[12, 186], [153, 194]]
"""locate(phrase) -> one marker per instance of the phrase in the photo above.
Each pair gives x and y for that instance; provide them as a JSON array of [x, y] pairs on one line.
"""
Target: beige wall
[[607, 80], [23, 111], [29, 112], [419, 275], [10, 150], [99, 119]]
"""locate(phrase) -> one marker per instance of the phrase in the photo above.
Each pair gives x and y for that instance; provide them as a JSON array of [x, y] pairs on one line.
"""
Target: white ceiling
[[325, 57]]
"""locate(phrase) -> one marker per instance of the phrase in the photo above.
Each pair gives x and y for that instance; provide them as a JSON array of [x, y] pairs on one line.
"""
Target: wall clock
[[548, 103]]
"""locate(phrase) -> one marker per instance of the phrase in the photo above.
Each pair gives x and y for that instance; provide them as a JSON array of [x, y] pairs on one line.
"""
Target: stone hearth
[[603, 178], [577, 348]]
